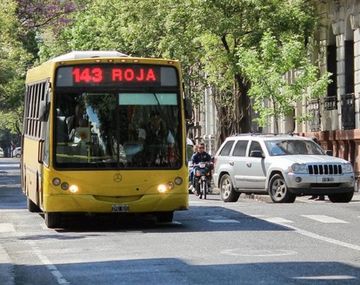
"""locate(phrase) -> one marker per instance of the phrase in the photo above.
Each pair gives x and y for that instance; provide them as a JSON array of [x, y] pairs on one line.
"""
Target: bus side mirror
[[188, 109], [44, 111]]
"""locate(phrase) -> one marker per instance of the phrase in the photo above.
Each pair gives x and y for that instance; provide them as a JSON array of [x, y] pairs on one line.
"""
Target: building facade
[[336, 116]]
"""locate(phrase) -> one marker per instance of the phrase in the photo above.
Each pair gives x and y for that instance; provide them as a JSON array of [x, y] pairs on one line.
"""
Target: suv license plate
[[328, 179], [120, 208]]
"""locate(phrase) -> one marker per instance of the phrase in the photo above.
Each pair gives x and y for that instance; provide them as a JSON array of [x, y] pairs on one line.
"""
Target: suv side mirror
[[256, 153], [329, 152]]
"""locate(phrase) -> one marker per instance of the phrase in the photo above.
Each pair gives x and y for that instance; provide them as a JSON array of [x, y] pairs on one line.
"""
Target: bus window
[[124, 130]]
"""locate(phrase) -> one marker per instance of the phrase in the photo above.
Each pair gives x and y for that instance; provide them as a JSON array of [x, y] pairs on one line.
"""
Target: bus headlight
[[56, 181], [64, 186], [73, 188], [170, 185], [178, 180], [162, 188]]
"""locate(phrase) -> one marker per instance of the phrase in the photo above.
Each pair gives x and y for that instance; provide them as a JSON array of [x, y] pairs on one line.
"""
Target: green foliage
[[13, 62], [209, 37], [268, 69]]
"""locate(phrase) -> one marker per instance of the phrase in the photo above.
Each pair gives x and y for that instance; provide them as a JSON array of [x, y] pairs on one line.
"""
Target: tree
[[229, 25], [273, 94], [204, 35], [13, 59], [21, 22]]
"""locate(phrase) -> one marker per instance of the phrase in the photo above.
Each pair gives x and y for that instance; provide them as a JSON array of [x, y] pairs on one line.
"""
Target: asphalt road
[[248, 242]]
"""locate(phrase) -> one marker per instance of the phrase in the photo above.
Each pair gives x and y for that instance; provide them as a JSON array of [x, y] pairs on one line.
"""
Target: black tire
[[341, 198], [278, 190], [32, 207], [197, 187], [53, 220], [165, 217], [205, 188], [227, 191]]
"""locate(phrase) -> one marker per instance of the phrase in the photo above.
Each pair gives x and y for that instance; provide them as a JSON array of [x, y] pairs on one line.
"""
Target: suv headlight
[[347, 168], [299, 168]]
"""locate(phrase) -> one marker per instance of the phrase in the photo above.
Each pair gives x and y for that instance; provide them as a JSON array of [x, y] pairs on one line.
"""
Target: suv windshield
[[117, 130], [293, 147]]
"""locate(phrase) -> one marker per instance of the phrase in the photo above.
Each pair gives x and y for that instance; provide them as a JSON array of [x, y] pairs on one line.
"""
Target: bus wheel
[[165, 217], [52, 220], [32, 207]]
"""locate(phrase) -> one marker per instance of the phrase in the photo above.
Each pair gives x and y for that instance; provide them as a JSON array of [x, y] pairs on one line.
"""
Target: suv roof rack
[[264, 134]]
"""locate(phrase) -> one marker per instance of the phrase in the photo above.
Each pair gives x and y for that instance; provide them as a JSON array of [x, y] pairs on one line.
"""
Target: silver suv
[[284, 166]]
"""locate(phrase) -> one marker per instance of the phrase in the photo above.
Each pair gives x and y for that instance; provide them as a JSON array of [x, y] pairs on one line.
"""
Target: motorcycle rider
[[200, 156]]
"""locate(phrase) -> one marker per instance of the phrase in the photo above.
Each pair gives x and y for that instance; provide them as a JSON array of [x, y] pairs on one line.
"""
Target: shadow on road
[[197, 219], [176, 271]]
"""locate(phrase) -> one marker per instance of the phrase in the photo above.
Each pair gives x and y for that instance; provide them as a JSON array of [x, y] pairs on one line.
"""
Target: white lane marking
[[325, 219], [51, 267], [10, 185], [13, 210], [196, 202], [224, 221], [257, 216], [9, 165], [322, 238], [257, 252], [277, 220], [6, 228], [326, 277]]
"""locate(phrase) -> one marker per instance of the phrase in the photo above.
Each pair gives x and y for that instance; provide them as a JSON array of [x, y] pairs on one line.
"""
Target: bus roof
[[87, 54]]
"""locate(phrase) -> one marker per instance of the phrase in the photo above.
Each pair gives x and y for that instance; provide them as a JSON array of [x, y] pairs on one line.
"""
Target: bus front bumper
[[94, 204]]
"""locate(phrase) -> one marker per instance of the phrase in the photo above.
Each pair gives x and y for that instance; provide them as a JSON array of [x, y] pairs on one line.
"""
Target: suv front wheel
[[227, 192], [279, 191], [341, 197]]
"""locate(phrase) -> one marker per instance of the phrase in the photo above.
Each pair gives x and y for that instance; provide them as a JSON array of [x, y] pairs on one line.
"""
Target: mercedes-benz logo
[[117, 177]]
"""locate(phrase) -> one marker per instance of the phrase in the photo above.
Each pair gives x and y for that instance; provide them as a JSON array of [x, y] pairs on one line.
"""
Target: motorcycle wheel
[[201, 190]]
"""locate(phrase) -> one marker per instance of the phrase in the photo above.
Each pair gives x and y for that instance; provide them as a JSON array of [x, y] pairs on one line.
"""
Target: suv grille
[[325, 169]]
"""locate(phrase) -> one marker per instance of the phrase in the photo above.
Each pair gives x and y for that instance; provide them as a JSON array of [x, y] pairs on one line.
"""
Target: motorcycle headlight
[[347, 168], [299, 168]]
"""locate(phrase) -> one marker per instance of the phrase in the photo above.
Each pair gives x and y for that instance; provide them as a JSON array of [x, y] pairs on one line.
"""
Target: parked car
[[283, 166], [1, 152], [17, 152]]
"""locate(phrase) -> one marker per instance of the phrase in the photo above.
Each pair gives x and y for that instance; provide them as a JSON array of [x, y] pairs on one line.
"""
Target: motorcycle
[[202, 178]]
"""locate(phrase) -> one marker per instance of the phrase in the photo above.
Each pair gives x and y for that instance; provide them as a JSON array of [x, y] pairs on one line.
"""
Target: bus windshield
[[117, 130]]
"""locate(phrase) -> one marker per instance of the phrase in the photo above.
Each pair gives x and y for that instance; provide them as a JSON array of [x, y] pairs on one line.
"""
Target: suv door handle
[[231, 163], [248, 164]]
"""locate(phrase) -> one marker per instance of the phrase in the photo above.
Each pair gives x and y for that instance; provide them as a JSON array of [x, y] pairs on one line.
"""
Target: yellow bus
[[104, 133]]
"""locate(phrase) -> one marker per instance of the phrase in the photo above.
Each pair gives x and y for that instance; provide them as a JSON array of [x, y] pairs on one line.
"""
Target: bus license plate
[[120, 208], [328, 179]]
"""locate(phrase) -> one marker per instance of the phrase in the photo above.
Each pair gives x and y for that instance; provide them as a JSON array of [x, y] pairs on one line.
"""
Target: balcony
[[314, 110], [348, 111], [330, 103]]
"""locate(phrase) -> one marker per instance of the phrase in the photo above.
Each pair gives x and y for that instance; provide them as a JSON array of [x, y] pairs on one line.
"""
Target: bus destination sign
[[115, 75]]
